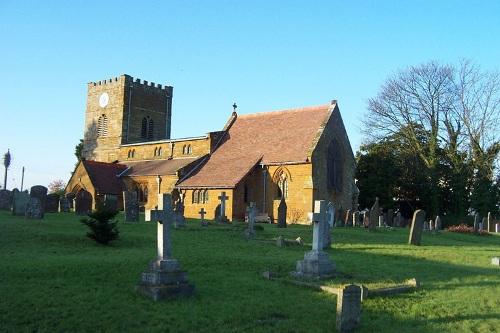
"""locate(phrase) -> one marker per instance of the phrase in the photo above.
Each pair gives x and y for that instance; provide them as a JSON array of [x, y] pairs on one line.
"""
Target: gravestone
[[348, 218], [399, 219], [489, 226], [202, 217], [221, 217], [476, 223], [52, 203], [33, 209], [178, 216], [5, 199], [374, 215], [251, 219], [348, 308], [71, 198], [164, 279], [111, 201], [366, 219], [316, 263], [437, 224], [381, 221], [83, 203], [282, 213], [19, 203], [131, 206], [355, 219], [331, 214], [416, 227], [64, 205], [390, 217], [327, 236], [39, 192], [484, 224]]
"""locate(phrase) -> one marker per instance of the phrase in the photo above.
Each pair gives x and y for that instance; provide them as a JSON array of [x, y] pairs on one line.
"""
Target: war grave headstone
[[416, 227], [5, 199], [178, 217], [282, 213], [331, 214], [83, 203], [390, 217], [164, 279], [316, 263], [221, 217], [39, 192], [131, 206], [374, 214], [252, 209], [348, 308], [476, 223], [19, 201], [33, 210], [64, 205], [202, 213], [52, 203]]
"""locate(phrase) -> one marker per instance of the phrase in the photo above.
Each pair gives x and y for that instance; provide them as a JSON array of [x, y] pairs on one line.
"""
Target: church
[[299, 155]]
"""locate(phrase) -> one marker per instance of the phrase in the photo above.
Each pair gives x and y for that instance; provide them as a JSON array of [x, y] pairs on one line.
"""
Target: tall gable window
[[334, 166], [102, 126], [147, 128], [282, 177]]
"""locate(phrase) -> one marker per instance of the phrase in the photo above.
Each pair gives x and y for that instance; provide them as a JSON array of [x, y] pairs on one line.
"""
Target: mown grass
[[55, 279]]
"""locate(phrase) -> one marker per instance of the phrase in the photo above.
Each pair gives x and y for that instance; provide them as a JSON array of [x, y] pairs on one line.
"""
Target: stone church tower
[[122, 111]]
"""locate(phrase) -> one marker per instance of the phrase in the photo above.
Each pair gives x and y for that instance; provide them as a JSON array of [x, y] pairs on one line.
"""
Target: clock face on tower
[[103, 100]]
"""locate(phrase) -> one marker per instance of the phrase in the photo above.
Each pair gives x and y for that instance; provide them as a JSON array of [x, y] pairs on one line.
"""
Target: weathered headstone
[[131, 206], [484, 224], [437, 224], [251, 219], [327, 236], [52, 203], [374, 215], [282, 213], [355, 219], [426, 225], [83, 203], [222, 218], [5, 199], [316, 263], [416, 227], [348, 308], [476, 223], [64, 205], [280, 241], [399, 219], [489, 226], [348, 218], [39, 192], [178, 216], [202, 217], [33, 209], [331, 214], [19, 203], [390, 217], [111, 201], [164, 279]]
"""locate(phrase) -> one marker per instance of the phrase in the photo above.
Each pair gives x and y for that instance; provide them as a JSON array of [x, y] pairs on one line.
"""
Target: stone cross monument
[[222, 217], [251, 219]]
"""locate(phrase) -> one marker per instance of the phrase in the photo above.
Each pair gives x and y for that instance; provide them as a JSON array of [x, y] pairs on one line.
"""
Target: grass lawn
[[55, 279]]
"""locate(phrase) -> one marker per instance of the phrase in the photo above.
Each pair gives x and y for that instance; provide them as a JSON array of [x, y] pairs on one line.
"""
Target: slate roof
[[104, 176], [156, 167], [279, 137]]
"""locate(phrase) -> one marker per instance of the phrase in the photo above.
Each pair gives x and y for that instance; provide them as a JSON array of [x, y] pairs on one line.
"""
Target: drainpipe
[[264, 173]]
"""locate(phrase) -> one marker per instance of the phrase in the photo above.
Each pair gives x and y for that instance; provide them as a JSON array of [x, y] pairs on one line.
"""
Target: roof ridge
[[308, 108]]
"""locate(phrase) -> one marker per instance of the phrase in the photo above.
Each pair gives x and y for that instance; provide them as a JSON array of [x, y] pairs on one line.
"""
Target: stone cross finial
[[319, 217], [163, 215]]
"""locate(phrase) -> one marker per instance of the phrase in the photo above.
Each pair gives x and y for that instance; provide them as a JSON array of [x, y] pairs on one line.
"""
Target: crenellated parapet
[[135, 83]]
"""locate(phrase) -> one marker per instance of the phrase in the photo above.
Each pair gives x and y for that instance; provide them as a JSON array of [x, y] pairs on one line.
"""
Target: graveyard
[[56, 279]]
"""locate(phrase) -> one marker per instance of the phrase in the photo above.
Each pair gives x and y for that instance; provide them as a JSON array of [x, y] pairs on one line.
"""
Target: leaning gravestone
[[416, 227], [19, 203], [52, 203], [348, 308], [164, 279], [131, 206], [39, 192], [316, 264], [5, 199], [282, 213], [34, 210], [83, 203], [64, 205], [374, 215]]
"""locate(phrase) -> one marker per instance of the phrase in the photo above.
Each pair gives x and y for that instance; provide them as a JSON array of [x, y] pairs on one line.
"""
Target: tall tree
[[6, 163]]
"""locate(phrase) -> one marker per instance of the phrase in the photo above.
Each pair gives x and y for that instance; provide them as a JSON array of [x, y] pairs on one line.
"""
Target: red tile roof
[[104, 176], [156, 167], [269, 138]]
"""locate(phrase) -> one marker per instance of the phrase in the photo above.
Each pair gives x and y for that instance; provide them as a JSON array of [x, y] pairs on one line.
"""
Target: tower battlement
[[129, 80]]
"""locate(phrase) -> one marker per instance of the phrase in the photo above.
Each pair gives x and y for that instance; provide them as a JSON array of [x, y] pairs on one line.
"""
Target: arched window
[[147, 128], [205, 197], [156, 152], [102, 126], [334, 167], [142, 192], [160, 151], [189, 149], [184, 150], [283, 188], [195, 196]]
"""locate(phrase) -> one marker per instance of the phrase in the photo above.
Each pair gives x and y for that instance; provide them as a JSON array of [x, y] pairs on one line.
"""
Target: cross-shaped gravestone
[[202, 216], [319, 218], [163, 215], [223, 199], [251, 215]]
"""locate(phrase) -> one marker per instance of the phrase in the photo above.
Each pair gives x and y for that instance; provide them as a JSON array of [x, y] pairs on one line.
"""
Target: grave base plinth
[[164, 280], [316, 265]]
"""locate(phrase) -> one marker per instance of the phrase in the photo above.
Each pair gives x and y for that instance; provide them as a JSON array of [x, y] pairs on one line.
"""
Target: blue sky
[[262, 55]]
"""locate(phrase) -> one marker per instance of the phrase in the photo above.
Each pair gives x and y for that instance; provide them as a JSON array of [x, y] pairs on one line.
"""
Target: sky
[[261, 55]]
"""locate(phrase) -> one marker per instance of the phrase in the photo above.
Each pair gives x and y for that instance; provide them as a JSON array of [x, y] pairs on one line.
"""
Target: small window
[[195, 196], [205, 197], [147, 128], [102, 126], [160, 151], [189, 150]]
